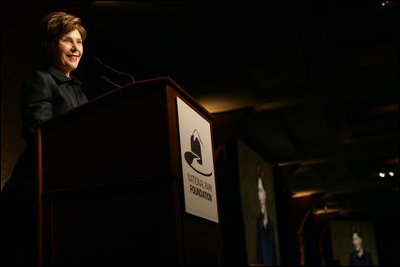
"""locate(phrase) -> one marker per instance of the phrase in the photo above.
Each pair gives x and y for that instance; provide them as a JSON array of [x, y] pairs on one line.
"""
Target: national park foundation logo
[[194, 157]]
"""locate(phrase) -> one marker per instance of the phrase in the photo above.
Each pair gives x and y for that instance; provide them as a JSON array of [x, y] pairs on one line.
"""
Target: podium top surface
[[149, 84]]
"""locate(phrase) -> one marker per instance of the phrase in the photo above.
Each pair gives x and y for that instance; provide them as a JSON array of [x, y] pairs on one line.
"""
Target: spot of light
[[220, 102], [381, 174], [304, 193], [385, 3], [391, 174], [325, 211]]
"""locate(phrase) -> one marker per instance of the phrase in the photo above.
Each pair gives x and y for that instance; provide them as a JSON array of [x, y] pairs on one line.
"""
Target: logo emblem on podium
[[194, 157]]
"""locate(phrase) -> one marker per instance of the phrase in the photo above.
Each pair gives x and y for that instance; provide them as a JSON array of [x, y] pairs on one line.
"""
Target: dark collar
[[56, 73]]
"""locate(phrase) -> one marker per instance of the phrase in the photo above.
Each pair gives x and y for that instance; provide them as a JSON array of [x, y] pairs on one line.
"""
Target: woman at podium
[[45, 93]]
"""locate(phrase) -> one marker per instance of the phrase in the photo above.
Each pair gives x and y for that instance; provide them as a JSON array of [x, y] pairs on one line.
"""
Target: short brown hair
[[56, 24], [356, 230]]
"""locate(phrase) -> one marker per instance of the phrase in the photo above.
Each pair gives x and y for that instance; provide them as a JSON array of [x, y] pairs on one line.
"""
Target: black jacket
[[46, 94], [364, 260], [265, 242]]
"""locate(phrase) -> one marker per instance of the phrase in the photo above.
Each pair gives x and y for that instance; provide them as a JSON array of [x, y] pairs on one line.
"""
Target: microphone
[[109, 81], [113, 70]]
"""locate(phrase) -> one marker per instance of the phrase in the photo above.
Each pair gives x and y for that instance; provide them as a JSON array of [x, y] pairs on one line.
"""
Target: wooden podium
[[110, 183]]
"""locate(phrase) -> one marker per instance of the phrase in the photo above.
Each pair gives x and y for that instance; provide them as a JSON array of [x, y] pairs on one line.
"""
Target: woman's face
[[68, 52], [262, 198], [357, 241]]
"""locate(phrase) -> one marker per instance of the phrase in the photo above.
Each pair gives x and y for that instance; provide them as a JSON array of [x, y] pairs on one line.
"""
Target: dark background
[[311, 86]]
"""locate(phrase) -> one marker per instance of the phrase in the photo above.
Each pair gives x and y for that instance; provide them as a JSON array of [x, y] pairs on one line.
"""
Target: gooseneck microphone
[[109, 81], [113, 70]]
